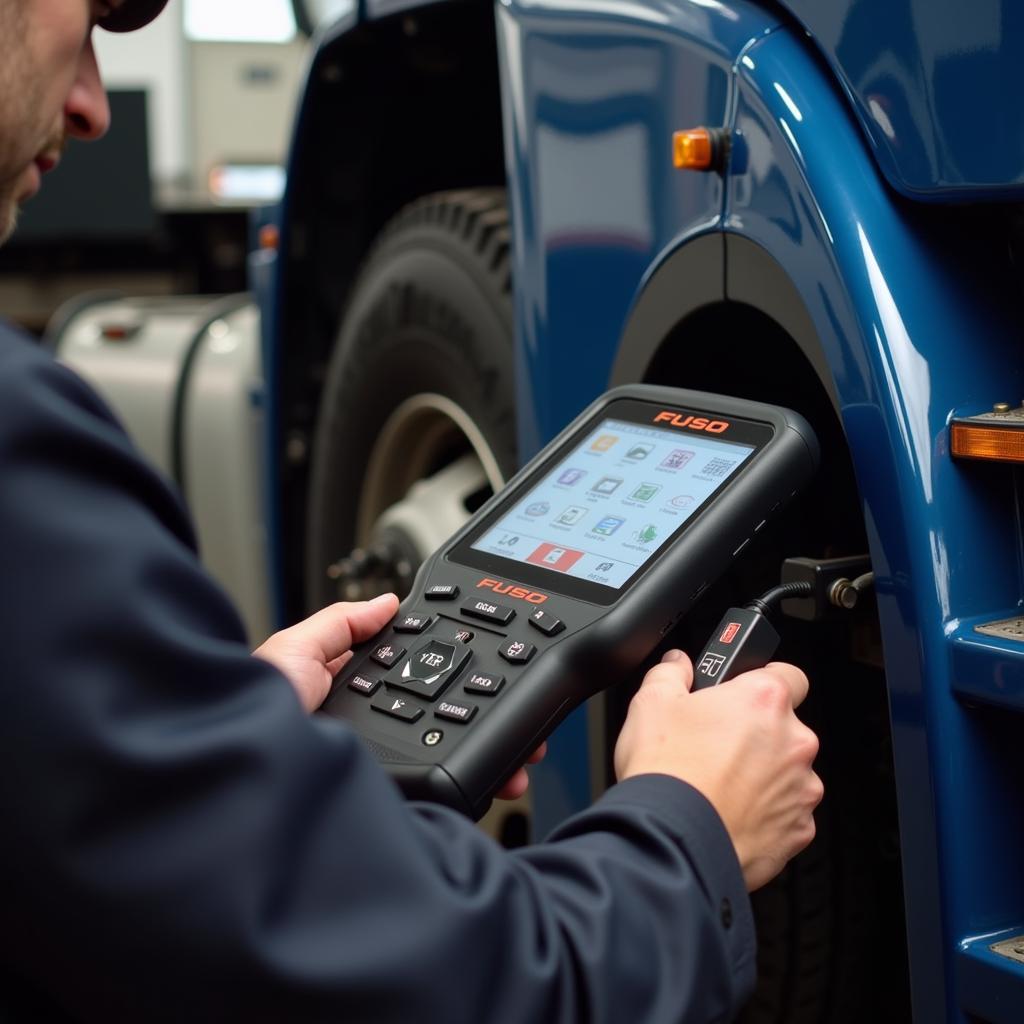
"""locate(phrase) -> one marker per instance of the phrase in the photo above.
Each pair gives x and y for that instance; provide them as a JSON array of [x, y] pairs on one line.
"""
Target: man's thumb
[[674, 669]]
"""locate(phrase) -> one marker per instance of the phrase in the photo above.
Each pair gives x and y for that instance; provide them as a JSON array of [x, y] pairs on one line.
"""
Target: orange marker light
[[997, 444], [118, 332], [693, 149], [270, 237]]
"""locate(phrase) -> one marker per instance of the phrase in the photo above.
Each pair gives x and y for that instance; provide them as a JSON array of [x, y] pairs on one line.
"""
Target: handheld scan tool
[[565, 581]]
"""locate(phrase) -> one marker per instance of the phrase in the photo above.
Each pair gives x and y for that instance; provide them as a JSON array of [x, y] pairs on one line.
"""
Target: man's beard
[[9, 210]]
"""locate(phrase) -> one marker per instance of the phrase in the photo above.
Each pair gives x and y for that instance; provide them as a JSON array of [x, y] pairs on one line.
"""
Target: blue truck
[[495, 212]]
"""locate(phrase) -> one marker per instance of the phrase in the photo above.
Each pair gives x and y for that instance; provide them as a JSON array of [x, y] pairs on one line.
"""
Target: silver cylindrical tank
[[185, 376]]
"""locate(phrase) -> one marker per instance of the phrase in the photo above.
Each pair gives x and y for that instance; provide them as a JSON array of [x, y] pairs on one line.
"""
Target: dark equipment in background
[[98, 226], [100, 190]]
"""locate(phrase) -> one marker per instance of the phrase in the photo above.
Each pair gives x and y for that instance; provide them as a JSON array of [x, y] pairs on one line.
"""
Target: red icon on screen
[[553, 557]]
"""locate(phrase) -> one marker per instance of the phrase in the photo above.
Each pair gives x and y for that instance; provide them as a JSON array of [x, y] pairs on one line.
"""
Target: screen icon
[[509, 540], [604, 442], [719, 467], [553, 557], [571, 516], [571, 477], [646, 534], [605, 567], [682, 501], [645, 492], [606, 485], [538, 508], [608, 525], [639, 452], [677, 458]]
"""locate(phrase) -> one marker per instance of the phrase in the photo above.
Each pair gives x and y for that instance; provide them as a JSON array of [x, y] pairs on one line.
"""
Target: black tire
[[430, 314]]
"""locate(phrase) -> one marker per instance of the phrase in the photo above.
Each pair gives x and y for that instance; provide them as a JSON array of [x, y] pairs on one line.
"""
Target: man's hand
[[741, 745], [520, 782], [311, 653]]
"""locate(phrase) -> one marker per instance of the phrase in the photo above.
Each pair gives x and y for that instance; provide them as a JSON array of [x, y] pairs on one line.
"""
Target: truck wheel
[[416, 425]]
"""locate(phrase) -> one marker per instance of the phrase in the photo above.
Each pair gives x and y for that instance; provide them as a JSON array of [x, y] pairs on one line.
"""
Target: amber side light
[[969, 441], [270, 237], [693, 150]]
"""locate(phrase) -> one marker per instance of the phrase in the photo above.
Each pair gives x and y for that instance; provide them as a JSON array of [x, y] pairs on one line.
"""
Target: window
[[240, 21]]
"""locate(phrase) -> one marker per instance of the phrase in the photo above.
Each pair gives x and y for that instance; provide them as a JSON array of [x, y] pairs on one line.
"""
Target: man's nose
[[86, 111]]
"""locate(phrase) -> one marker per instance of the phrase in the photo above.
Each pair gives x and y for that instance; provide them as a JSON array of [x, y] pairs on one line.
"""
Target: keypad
[[415, 678]]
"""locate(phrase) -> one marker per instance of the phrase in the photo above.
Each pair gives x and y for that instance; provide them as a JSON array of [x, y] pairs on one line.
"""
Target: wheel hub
[[428, 471]]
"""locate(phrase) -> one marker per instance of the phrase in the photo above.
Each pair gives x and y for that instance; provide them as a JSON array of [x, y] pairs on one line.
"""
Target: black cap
[[132, 14]]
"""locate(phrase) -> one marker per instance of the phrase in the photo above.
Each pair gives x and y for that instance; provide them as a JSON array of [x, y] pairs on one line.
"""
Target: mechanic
[[184, 841]]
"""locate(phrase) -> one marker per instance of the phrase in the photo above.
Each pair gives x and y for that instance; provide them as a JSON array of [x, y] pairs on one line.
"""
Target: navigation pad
[[430, 668]]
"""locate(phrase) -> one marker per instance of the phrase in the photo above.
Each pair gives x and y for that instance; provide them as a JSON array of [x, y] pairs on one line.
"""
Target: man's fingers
[[515, 787], [674, 669], [338, 626], [794, 678], [369, 617], [335, 666]]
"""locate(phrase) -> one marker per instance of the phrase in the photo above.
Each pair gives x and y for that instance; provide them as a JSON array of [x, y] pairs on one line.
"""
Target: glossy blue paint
[[935, 85], [263, 272], [991, 986], [895, 293], [917, 316], [987, 669], [592, 92]]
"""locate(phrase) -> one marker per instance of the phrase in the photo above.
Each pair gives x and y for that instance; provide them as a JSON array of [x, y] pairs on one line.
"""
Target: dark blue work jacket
[[181, 842]]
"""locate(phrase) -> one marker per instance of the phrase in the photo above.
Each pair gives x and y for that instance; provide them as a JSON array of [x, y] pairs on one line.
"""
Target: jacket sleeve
[[182, 842]]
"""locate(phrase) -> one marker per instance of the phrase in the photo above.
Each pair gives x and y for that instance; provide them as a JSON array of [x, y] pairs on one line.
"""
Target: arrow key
[[396, 707]]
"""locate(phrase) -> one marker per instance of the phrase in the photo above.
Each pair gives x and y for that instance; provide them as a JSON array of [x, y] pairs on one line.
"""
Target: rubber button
[[484, 682], [428, 671], [397, 707], [386, 654], [517, 652], [364, 685], [499, 613], [442, 592], [455, 712], [414, 623], [546, 622]]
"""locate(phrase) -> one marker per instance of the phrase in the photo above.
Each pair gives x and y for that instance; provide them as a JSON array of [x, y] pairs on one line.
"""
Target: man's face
[[50, 89]]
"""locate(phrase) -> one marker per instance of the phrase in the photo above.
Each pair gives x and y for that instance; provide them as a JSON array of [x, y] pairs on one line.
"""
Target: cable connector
[[836, 585], [744, 639]]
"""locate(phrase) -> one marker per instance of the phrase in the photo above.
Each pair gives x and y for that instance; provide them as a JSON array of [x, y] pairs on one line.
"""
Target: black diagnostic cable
[[745, 639]]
